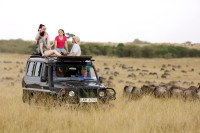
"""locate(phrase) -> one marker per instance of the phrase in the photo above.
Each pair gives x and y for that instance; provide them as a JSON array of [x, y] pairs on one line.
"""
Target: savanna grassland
[[147, 114]]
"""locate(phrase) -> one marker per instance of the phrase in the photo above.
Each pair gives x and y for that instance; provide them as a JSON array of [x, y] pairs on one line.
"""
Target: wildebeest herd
[[137, 75], [167, 90]]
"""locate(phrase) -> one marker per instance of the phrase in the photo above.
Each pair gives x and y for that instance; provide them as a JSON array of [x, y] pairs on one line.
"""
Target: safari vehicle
[[68, 79]]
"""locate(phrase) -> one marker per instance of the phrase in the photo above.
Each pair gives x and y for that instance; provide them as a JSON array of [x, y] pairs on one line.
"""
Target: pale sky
[[174, 21]]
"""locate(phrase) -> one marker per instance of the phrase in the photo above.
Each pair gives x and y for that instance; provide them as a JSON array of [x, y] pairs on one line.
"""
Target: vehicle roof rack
[[74, 58], [64, 58], [32, 56]]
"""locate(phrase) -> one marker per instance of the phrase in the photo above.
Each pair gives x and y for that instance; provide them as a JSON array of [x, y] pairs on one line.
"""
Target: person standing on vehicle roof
[[76, 49], [61, 42]]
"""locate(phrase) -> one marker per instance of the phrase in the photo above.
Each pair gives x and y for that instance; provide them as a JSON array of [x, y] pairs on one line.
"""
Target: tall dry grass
[[145, 115]]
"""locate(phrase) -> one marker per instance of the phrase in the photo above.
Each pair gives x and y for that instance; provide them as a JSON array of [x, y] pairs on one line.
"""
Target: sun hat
[[76, 39]]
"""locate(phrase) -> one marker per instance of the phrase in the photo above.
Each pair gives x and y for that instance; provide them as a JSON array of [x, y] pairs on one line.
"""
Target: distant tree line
[[120, 50], [148, 51]]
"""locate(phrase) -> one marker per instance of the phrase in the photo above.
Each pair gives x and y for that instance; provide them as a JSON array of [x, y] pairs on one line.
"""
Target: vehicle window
[[38, 69], [93, 74], [74, 72], [30, 69]]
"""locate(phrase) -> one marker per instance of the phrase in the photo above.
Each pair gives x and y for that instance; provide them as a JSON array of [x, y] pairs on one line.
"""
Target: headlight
[[71, 93], [110, 92], [101, 94]]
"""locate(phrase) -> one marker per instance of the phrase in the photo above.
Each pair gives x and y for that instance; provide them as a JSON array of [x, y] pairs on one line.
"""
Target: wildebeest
[[136, 93], [127, 90], [161, 91], [148, 89], [176, 92], [198, 93], [190, 92]]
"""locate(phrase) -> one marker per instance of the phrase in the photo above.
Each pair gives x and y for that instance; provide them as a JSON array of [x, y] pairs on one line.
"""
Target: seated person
[[84, 73], [61, 42], [59, 72], [44, 49], [76, 49]]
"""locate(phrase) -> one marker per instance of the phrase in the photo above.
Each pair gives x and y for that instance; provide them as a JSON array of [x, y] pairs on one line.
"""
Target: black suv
[[68, 79]]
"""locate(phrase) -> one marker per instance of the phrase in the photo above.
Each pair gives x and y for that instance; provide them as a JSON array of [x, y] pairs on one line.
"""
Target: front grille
[[88, 93]]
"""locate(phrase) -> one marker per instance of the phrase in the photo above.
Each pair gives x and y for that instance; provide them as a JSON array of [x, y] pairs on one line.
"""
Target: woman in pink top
[[61, 42]]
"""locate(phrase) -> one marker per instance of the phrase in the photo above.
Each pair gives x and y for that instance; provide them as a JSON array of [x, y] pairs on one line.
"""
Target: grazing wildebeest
[[5, 61], [111, 78], [162, 69], [183, 71], [105, 64], [161, 92], [106, 68], [136, 93], [116, 73], [127, 90], [192, 88], [198, 93], [124, 66], [163, 65], [148, 89], [190, 93], [137, 69], [131, 75], [153, 73], [163, 76], [176, 92]]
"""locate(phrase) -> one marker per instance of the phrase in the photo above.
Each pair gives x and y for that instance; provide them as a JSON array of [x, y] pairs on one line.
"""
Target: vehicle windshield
[[64, 72]]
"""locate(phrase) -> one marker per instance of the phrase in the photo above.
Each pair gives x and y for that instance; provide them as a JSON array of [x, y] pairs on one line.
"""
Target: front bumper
[[87, 95]]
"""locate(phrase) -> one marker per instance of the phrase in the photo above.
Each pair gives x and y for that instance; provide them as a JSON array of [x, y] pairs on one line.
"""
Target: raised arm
[[37, 36]]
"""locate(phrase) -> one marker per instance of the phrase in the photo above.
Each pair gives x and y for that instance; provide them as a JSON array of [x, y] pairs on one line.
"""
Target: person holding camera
[[61, 42], [41, 28]]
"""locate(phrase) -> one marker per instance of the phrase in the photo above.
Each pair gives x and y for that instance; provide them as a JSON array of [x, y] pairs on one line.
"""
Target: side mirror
[[101, 79]]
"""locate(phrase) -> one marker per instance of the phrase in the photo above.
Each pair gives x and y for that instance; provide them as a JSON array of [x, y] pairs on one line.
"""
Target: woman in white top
[[76, 49]]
